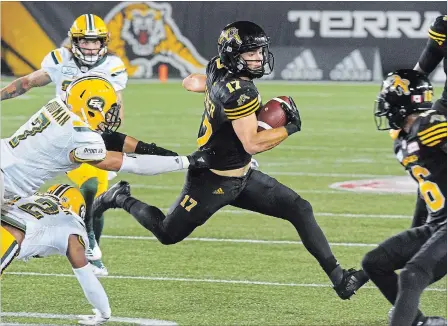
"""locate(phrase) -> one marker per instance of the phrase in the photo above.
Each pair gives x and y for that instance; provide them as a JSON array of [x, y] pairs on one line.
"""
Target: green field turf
[[220, 275]]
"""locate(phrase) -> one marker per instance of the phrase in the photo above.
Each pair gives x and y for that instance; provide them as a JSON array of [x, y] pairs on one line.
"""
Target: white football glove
[[97, 319], [254, 164]]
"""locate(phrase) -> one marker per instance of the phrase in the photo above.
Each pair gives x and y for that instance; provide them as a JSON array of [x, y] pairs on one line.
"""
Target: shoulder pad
[[117, 66], [214, 71], [431, 128], [57, 56], [240, 98], [438, 30]]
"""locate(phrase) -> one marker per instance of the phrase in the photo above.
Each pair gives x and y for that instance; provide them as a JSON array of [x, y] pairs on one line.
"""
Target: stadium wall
[[311, 41]]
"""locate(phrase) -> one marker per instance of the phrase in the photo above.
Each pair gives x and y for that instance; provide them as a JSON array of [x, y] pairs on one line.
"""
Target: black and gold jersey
[[436, 48], [227, 98], [423, 154]]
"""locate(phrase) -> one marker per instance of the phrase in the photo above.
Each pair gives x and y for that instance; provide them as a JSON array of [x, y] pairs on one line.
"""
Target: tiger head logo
[[396, 84], [228, 35], [144, 35]]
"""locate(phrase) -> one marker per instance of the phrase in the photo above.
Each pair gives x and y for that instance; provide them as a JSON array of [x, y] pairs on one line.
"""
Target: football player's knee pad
[[298, 211], [375, 261], [9, 248]]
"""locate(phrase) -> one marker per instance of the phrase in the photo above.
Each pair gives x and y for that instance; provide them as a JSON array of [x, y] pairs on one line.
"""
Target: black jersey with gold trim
[[436, 48], [227, 98], [423, 154]]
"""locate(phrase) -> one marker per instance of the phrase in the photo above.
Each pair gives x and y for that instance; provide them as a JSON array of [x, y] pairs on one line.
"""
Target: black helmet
[[403, 92], [239, 37]]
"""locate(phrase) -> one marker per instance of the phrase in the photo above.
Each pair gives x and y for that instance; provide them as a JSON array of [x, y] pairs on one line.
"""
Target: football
[[272, 115]]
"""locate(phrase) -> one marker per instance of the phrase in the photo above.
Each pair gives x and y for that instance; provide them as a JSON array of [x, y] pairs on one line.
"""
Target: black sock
[[314, 240], [411, 284]]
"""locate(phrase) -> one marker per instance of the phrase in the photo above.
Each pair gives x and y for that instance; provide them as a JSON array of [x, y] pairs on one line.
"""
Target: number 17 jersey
[[227, 98]]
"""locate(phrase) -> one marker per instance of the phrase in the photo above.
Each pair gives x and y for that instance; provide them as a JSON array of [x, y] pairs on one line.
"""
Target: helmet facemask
[[88, 59], [266, 67], [389, 117], [112, 120]]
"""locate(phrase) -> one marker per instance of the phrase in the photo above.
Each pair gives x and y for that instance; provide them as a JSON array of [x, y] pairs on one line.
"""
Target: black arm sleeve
[[152, 149], [114, 141], [430, 57]]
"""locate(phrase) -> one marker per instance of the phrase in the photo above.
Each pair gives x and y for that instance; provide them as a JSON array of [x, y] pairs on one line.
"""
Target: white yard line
[[134, 321], [195, 280], [240, 211], [299, 191], [252, 241]]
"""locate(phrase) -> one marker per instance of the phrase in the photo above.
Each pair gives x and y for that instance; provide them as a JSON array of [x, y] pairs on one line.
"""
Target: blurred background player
[[52, 224], [86, 55], [404, 104]]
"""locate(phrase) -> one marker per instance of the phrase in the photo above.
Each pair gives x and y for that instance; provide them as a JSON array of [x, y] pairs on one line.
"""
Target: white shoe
[[100, 271], [95, 253]]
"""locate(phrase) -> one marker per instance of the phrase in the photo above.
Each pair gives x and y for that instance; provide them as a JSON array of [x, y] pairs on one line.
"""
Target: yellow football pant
[[85, 172], [9, 248]]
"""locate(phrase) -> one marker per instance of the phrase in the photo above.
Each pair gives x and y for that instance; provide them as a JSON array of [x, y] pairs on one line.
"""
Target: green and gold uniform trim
[[12, 222], [243, 110], [437, 37], [60, 190], [433, 135], [56, 56], [81, 241], [90, 22]]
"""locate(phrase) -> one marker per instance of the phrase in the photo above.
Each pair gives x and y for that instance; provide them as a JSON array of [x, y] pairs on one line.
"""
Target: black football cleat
[[351, 282], [108, 199]]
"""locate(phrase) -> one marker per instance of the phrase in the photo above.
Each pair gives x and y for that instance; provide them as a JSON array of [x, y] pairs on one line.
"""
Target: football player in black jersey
[[433, 53], [229, 130], [405, 103]]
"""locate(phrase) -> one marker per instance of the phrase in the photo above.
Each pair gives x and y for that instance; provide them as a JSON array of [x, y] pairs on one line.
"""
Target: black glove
[[293, 116], [200, 159], [152, 149]]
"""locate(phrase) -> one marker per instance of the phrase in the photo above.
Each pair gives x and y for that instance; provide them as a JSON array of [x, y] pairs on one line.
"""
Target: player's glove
[[254, 164], [293, 116], [97, 319], [200, 159]]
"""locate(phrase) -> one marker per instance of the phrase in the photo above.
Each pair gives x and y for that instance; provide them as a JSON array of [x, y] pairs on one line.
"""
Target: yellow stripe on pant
[[85, 172], [9, 248]]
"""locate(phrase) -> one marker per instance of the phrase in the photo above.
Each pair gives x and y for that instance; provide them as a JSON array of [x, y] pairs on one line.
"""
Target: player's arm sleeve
[[241, 102], [114, 141], [433, 51], [52, 63], [88, 146]]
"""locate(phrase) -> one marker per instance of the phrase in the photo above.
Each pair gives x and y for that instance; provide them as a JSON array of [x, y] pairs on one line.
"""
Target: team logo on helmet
[[96, 103], [396, 84], [144, 35], [229, 34]]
